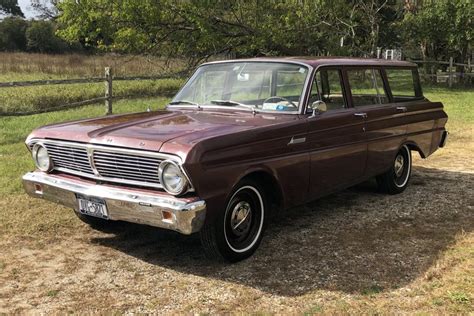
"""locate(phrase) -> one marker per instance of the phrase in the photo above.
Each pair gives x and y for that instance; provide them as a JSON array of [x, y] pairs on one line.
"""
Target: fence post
[[108, 90], [450, 72]]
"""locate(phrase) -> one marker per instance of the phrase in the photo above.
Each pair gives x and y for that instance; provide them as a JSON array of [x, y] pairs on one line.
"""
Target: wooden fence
[[108, 95], [450, 76]]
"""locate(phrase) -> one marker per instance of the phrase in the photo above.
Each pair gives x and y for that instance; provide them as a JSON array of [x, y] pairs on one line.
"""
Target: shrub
[[12, 34], [41, 38]]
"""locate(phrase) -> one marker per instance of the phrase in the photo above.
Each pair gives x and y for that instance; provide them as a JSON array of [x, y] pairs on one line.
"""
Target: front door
[[336, 138]]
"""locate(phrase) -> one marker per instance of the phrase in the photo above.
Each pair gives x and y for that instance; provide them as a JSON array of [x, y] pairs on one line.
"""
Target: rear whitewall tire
[[396, 179]]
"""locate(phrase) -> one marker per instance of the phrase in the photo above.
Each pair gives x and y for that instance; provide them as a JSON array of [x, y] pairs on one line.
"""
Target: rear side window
[[404, 84], [366, 87]]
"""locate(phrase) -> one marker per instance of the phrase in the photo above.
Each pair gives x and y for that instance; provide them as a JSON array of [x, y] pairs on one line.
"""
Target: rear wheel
[[237, 232], [396, 179]]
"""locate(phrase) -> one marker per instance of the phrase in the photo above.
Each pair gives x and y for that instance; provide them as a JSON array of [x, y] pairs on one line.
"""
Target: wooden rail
[[48, 82], [450, 75], [56, 108], [468, 65], [82, 80], [108, 95]]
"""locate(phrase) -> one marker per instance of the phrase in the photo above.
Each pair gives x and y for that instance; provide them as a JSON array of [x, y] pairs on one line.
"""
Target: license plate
[[92, 206]]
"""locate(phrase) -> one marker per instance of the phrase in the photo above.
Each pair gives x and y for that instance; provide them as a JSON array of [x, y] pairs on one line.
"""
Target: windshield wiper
[[183, 102], [230, 102]]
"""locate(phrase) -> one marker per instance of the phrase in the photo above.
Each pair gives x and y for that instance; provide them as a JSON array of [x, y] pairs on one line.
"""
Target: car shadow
[[355, 241]]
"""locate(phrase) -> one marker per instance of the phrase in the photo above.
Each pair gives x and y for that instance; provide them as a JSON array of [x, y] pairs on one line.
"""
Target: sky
[[28, 11]]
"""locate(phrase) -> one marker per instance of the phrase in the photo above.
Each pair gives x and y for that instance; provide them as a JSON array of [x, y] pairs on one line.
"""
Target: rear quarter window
[[404, 84]]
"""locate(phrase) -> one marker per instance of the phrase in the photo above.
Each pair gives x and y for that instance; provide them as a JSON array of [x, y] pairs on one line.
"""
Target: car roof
[[326, 61]]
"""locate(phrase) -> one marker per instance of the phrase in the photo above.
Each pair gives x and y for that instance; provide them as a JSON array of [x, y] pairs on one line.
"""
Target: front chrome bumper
[[155, 209]]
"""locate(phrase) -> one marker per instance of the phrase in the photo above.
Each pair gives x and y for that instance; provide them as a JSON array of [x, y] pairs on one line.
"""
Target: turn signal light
[[167, 216], [38, 188]]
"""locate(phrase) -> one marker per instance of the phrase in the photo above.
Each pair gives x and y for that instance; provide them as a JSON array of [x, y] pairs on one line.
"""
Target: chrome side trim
[[401, 109], [122, 203], [295, 141]]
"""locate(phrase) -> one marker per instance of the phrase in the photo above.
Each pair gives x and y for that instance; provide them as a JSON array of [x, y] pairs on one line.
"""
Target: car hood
[[150, 130]]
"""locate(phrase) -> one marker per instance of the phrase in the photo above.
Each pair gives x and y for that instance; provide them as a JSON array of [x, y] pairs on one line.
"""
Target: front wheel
[[98, 223], [395, 180], [237, 232]]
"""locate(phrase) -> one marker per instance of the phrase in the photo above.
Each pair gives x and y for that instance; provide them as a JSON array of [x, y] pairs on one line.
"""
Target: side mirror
[[319, 107]]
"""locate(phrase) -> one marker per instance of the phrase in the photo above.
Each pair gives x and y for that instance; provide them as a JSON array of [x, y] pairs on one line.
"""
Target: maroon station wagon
[[241, 139]]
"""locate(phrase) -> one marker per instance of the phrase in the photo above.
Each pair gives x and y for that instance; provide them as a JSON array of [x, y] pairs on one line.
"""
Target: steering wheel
[[280, 99]]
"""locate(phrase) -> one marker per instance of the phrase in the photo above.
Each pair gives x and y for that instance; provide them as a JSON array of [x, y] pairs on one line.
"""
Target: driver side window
[[327, 87]]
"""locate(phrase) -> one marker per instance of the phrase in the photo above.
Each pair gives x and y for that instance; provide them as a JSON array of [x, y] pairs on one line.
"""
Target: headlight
[[172, 178], [41, 158]]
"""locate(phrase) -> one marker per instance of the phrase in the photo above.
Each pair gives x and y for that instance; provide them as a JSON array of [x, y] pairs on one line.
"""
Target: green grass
[[459, 297], [459, 102], [52, 293]]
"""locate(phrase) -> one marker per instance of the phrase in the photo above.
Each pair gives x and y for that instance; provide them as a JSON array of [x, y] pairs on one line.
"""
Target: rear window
[[404, 84]]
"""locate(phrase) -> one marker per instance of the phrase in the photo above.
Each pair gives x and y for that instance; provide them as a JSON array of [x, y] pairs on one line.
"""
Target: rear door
[[421, 116], [336, 138], [385, 124]]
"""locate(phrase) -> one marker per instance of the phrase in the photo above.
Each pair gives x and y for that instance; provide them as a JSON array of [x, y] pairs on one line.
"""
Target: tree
[[371, 11], [40, 36], [12, 34], [440, 29], [11, 7], [197, 30]]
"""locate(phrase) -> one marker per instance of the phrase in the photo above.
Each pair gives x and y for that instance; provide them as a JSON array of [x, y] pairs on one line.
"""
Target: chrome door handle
[[401, 109], [363, 115], [295, 141]]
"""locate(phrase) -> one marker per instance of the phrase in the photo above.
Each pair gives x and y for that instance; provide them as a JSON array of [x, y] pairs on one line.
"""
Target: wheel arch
[[414, 147], [270, 185]]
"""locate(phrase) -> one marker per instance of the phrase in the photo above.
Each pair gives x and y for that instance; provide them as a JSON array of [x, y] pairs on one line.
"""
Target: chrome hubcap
[[240, 218], [399, 164]]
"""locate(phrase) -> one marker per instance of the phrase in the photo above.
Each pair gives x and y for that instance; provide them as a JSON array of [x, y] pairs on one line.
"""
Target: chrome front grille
[[108, 164], [67, 157], [127, 166]]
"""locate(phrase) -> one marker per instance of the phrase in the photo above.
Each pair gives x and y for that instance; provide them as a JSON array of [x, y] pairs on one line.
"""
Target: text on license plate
[[92, 206]]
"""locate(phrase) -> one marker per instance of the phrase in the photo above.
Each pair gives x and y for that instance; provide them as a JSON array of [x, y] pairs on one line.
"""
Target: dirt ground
[[354, 251]]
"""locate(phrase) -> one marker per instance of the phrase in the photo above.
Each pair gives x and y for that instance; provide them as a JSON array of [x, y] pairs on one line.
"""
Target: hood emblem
[[142, 144], [109, 140]]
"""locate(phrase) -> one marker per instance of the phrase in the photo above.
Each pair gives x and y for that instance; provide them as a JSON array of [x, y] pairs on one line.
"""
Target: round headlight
[[41, 158], [172, 178]]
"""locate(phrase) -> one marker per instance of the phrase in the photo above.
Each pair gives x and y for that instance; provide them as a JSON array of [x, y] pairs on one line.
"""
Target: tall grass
[[21, 66]]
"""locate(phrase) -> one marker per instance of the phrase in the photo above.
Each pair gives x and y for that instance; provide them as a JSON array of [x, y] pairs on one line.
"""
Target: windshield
[[266, 86]]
